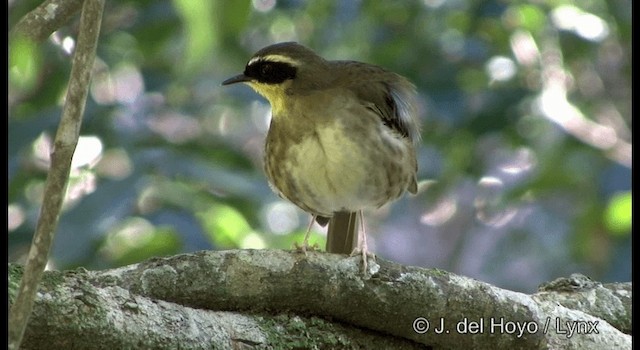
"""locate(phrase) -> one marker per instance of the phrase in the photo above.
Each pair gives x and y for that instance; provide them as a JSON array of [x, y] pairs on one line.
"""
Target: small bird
[[342, 137]]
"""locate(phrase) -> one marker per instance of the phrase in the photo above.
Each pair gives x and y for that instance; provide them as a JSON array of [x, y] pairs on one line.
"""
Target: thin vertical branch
[[64, 147]]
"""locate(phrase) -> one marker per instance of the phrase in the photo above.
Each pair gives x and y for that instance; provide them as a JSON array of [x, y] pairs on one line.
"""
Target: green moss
[[15, 274], [438, 272], [51, 280], [289, 331]]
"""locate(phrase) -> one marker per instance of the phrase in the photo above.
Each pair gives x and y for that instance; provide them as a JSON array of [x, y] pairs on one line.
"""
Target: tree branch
[[162, 296], [38, 24], [57, 178]]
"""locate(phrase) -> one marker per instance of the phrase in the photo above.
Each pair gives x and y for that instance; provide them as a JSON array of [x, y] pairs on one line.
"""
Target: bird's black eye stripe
[[268, 72]]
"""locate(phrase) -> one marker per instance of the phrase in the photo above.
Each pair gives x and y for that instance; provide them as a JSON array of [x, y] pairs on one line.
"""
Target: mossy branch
[[190, 300]]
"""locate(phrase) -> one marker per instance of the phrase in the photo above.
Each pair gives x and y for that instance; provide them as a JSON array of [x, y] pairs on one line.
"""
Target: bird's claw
[[365, 254], [304, 247]]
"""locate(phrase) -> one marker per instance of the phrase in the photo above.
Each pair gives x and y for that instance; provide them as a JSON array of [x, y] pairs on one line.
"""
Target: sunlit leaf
[[529, 17], [617, 216], [232, 16], [136, 239], [200, 31], [24, 64], [226, 226]]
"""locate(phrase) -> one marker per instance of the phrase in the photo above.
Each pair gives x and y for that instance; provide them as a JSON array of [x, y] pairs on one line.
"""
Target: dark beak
[[237, 79]]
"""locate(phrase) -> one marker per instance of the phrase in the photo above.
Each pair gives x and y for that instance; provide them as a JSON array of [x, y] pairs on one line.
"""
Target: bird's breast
[[330, 167]]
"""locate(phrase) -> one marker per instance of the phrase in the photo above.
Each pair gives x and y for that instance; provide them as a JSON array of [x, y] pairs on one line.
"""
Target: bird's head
[[278, 70]]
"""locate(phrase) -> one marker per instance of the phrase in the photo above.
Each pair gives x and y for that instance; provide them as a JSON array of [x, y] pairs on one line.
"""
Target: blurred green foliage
[[526, 108]]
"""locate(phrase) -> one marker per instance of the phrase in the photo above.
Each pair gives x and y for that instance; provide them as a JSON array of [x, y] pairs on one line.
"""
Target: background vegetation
[[525, 160]]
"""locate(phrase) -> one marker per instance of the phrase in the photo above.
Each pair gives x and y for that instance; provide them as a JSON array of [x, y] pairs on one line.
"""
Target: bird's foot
[[305, 243], [365, 254], [362, 248], [305, 247]]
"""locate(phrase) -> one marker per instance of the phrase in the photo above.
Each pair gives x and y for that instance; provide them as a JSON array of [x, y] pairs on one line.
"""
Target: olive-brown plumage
[[341, 138]]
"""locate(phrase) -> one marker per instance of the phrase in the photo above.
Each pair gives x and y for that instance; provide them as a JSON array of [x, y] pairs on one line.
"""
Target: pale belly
[[330, 171]]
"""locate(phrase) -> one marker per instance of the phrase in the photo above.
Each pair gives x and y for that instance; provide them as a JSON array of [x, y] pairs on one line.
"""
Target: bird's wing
[[389, 95]]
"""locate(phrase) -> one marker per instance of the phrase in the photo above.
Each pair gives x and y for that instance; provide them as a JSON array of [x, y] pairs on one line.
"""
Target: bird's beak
[[237, 79]]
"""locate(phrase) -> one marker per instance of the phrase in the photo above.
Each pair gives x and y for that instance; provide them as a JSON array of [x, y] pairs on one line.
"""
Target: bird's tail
[[342, 235]]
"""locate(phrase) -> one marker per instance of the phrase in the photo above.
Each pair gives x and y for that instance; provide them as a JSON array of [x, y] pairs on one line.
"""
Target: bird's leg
[[362, 244], [305, 242]]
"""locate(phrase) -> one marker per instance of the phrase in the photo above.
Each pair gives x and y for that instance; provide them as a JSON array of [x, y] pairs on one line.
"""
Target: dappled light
[[586, 25], [500, 68], [264, 5], [123, 85], [522, 161], [114, 164], [88, 152], [282, 217], [175, 127], [443, 210], [15, 216]]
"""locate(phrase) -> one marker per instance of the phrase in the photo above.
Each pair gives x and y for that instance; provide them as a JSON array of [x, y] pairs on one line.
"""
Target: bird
[[342, 137]]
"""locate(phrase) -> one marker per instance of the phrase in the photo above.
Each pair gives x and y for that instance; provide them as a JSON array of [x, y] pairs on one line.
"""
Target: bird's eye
[[266, 70]]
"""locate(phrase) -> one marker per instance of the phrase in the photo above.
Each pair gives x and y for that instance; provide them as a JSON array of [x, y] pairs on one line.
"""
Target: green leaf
[[201, 35], [226, 226], [24, 64], [617, 216], [136, 239]]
